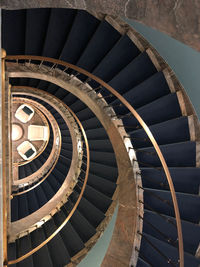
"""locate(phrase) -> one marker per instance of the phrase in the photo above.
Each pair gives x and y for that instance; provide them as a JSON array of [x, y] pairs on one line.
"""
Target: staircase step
[[97, 48], [96, 134], [69, 99], [66, 146], [63, 167], [92, 123], [168, 132], [85, 114], [77, 106], [142, 263], [43, 85], [72, 241], [65, 134], [23, 247], [22, 173], [14, 209], [104, 158], [59, 119], [158, 200], [49, 193], [41, 197], [145, 92], [60, 22], [35, 34], [60, 177], [163, 109], [22, 206], [141, 67], [109, 173], [64, 160], [156, 226], [99, 200], [52, 88], [38, 163], [85, 24], [156, 259], [176, 155], [102, 185], [61, 258], [17, 33], [185, 180], [94, 217], [54, 183], [81, 225], [61, 93], [12, 252], [42, 257], [33, 165], [112, 63], [32, 201], [101, 146], [66, 153], [28, 169]]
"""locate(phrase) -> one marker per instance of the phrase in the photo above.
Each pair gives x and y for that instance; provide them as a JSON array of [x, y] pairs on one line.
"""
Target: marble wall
[[178, 18]]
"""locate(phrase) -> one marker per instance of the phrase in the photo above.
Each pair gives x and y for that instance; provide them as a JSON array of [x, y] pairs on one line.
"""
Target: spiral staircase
[[92, 73]]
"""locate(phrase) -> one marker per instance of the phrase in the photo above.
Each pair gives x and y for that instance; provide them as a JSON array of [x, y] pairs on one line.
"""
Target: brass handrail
[[76, 204], [4, 143], [66, 65]]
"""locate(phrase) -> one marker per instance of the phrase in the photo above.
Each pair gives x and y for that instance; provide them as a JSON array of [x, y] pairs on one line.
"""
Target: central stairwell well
[[134, 86]]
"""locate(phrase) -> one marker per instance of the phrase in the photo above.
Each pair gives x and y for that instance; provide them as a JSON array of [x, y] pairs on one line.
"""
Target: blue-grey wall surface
[[184, 60]]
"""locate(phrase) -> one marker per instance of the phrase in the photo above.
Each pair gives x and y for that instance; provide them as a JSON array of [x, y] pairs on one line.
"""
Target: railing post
[[3, 178], [6, 155], [1, 185]]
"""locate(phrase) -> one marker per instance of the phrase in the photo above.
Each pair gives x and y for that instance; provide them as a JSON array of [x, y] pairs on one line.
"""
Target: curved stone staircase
[[109, 49]]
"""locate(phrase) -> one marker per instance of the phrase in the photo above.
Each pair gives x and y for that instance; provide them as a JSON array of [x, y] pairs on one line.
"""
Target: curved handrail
[[3, 163], [76, 204], [55, 64]]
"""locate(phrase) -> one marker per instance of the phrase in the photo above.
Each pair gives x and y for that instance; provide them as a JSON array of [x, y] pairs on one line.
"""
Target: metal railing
[[105, 91]]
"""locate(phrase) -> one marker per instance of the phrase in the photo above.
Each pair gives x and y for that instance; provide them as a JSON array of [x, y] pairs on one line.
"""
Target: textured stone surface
[[178, 18]]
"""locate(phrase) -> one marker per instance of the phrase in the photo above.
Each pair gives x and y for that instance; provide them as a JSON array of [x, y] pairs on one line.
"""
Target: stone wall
[[178, 18]]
